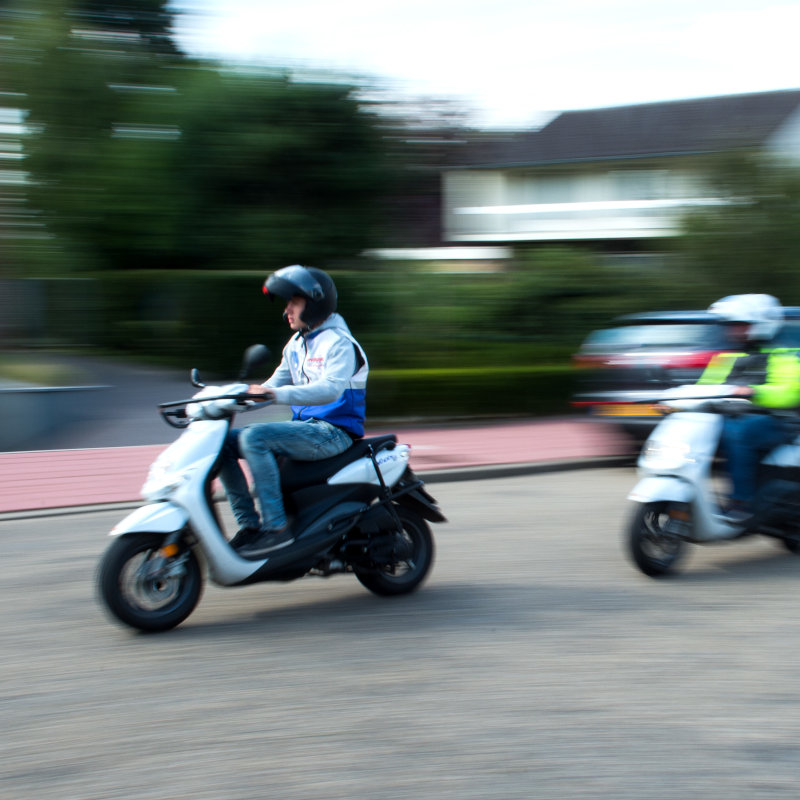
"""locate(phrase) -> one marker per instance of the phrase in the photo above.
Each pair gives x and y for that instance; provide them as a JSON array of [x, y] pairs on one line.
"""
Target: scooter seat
[[299, 474]]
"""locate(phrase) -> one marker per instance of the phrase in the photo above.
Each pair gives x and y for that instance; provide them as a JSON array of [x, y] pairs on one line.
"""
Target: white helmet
[[762, 312]]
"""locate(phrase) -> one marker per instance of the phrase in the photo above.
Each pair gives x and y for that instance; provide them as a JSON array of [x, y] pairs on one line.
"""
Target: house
[[609, 174]]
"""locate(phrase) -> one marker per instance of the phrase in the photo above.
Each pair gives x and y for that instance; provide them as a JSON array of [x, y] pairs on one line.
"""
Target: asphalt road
[[535, 663]]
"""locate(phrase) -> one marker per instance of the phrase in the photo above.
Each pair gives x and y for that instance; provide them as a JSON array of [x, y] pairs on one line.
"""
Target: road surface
[[535, 663]]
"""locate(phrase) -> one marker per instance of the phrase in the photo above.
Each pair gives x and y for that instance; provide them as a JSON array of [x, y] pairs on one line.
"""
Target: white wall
[[596, 203]]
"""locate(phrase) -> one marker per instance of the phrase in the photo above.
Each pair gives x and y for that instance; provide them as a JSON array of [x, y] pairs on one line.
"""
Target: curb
[[513, 470]]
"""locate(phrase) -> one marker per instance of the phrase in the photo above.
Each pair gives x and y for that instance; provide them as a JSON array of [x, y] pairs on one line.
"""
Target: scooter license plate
[[626, 410]]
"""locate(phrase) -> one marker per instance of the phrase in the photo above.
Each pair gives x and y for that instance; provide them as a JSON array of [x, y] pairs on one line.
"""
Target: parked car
[[639, 355]]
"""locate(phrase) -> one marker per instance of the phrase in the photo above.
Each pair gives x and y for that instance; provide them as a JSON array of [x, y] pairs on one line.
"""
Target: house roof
[[681, 127]]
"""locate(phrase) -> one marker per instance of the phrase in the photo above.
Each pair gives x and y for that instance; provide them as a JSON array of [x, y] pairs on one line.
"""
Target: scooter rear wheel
[[653, 549], [414, 547], [150, 603]]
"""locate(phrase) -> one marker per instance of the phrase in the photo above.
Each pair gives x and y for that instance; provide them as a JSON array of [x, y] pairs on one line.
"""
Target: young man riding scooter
[[323, 377], [770, 378]]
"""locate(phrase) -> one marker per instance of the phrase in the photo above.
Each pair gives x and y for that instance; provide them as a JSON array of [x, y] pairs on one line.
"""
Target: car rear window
[[661, 335], [789, 334]]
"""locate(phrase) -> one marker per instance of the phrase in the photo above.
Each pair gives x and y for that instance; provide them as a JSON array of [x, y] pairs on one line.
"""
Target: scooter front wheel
[[143, 589], [792, 545], [653, 548]]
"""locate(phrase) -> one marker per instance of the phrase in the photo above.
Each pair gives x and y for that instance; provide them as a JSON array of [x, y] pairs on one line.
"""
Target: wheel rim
[[656, 543], [407, 547], [145, 592]]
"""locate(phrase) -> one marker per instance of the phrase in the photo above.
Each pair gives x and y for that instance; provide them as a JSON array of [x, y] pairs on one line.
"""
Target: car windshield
[[660, 335]]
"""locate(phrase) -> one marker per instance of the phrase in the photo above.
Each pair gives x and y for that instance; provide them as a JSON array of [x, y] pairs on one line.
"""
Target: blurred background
[[145, 193]]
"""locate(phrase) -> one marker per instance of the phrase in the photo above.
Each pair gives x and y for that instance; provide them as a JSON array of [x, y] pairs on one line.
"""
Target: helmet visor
[[291, 281]]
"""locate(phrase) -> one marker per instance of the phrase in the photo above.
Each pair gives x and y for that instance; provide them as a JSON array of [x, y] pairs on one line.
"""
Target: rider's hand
[[257, 388], [743, 391]]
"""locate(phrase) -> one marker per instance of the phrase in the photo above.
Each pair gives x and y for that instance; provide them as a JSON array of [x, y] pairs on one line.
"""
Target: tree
[[141, 157], [276, 172], [751, 242], [76, 67], [146, 21]]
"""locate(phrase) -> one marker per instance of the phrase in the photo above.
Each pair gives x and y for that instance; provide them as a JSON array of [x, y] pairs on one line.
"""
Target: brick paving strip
[[41, 479]]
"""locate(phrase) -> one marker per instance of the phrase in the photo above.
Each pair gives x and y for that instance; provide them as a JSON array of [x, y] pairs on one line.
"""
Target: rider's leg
[[235, 483], [304, 441], [746, 440]]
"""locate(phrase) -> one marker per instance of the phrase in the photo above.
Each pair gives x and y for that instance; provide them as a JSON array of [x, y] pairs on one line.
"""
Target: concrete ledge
[[28, 412], [529, 468]]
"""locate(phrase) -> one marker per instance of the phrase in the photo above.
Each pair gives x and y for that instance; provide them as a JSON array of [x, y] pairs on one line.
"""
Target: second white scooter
[[679, 497]]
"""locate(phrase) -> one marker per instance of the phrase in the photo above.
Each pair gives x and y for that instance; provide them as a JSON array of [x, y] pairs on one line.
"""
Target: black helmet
[[313, 284]]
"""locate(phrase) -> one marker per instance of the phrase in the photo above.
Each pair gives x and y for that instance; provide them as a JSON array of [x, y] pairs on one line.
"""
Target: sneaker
[[267, 542], [243, 537]]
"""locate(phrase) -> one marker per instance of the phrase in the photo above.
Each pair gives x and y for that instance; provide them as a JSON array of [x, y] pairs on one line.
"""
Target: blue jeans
[[745, 441], [259, 445]]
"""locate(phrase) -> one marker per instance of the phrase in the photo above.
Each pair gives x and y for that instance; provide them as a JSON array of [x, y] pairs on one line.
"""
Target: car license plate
[[627, 410]]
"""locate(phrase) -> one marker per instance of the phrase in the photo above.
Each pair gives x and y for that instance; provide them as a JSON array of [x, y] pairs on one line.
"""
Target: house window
[[538, 190], [639, 184]]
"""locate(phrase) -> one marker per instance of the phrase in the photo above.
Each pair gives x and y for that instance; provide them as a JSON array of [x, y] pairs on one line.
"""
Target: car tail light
[[696, 359]]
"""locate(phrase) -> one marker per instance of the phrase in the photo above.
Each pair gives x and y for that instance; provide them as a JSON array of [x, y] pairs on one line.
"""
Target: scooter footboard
[[152, 518]]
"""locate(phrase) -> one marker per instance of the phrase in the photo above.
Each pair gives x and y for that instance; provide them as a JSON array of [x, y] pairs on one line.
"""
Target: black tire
[[654, 550], [792, 545], [407, 574], [147, 604]]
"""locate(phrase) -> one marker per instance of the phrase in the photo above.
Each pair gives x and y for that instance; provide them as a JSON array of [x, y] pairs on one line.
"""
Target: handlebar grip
[[257, 398], [180, 419]]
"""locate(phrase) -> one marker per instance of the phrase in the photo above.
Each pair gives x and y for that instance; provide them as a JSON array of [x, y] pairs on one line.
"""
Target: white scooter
[[679, 497], [363, 512]]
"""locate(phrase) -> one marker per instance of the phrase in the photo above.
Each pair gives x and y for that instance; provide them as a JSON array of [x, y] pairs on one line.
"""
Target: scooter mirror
[[255, 357]]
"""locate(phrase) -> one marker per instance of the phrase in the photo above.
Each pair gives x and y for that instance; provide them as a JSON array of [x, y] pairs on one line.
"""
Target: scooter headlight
[[162, 480], [665, 455]]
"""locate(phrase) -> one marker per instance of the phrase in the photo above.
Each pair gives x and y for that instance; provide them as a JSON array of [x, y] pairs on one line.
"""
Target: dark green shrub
[[478, 392]]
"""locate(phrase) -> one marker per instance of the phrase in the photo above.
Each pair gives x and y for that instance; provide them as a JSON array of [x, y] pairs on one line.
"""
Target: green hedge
[[443, 345], [471, 392], [206, 319]]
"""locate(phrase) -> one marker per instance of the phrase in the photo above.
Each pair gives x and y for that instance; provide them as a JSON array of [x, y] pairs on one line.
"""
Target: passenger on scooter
[[323, 377], [769, 377]]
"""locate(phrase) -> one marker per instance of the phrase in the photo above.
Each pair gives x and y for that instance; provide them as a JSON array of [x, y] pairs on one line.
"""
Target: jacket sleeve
[[782, 386], [339, 368]]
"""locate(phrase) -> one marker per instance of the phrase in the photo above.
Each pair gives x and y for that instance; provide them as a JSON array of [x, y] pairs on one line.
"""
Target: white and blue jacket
[[323, 375]]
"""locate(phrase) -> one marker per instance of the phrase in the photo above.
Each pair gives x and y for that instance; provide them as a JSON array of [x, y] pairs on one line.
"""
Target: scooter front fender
[[655, 488], [152, 518]]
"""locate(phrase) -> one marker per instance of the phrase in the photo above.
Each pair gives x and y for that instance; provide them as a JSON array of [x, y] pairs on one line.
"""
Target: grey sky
[[510, 61]]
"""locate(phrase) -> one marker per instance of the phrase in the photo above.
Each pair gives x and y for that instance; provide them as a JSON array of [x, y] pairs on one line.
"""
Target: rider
[[323, 377], [769, 377]]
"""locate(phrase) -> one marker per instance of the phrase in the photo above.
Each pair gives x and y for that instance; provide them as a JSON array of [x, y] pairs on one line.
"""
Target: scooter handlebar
[[257, 398], [177, 413]]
